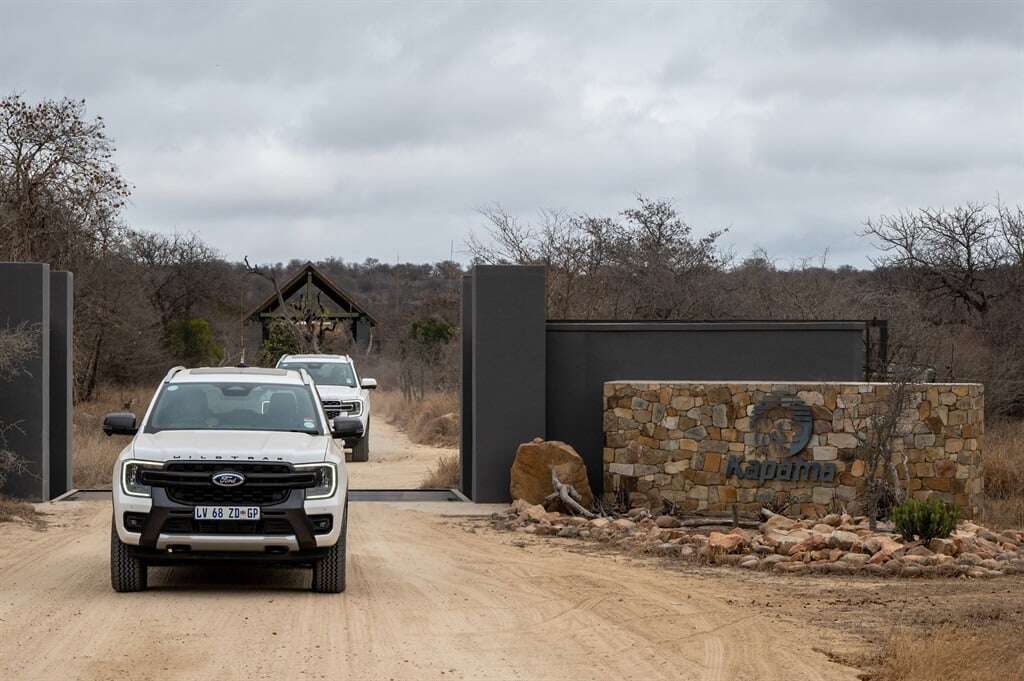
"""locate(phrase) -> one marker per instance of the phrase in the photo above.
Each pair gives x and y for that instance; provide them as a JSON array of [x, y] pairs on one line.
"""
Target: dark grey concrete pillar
[[508, 367], [25, 297], [61, 384], [466, 387]]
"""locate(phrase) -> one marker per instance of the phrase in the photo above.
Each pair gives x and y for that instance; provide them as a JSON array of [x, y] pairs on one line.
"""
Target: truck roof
[[235, 374], [341, 359]]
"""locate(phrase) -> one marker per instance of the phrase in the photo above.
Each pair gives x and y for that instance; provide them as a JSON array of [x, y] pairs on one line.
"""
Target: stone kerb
[[706, 446]]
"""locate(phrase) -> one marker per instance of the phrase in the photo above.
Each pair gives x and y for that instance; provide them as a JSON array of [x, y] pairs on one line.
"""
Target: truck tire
[[361, 450], [329, 571], [128, 572]]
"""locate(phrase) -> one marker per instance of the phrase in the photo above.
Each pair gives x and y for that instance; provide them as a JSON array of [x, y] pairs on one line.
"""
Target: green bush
[[280, 341], [191, 342], [925, 520]]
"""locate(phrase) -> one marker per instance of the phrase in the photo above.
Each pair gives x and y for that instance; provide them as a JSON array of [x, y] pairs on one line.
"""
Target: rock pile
[[835, 544]]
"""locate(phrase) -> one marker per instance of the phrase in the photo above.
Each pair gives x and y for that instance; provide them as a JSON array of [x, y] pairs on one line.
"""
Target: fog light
[[322, 524], [134, 522]]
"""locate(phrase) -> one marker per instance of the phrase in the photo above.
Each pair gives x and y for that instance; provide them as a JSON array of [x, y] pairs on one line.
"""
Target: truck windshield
[[325, 373], [235, 406]]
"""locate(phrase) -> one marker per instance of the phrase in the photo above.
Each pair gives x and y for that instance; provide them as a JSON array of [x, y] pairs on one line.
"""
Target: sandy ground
[[395, 463], [426, 599], [430, 596]]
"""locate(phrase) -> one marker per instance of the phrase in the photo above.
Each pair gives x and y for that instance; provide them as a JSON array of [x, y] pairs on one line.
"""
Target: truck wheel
[[361, 450], [128, 572], [329, 571]]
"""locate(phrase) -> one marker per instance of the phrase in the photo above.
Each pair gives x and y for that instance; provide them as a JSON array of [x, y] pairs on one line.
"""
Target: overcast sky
[[280, 131]]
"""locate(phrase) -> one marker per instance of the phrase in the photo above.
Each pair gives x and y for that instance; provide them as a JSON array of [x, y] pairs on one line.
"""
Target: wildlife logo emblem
[[782, 426]]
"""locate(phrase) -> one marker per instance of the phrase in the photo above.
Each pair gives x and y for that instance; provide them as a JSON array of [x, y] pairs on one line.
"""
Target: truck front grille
[[334, 408], [190, 482], [195, 496]]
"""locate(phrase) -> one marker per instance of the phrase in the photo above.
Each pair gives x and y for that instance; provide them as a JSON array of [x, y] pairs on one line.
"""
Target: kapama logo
[[782, 423]]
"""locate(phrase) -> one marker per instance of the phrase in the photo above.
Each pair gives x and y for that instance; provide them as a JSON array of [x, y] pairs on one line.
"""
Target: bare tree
[[60, 192], [645, 263], [177, 271], [951, 253]]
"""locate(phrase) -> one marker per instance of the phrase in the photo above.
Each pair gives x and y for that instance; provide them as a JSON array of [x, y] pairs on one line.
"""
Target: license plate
[[227, 513]]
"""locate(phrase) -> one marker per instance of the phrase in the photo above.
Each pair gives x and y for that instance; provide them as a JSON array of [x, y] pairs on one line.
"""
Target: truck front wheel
[[128, 572], [361, 449], [329, 571]]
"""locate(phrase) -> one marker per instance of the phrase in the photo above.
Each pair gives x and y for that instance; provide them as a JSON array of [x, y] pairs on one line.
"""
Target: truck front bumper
[[295, 528]]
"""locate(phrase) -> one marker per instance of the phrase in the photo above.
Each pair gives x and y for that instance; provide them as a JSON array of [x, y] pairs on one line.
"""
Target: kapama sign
[[782, 426]]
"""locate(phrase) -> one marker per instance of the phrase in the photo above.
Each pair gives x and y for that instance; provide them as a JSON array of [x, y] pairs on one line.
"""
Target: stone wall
[[710, 445]]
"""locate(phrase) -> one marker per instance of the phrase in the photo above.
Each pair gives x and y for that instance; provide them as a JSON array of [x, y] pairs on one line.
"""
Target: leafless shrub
[[444, 474], [11, 509], [10, 462], [1003, 467], [95, 452], [433, 420], [881, 445], [18, 344], [963, 652]]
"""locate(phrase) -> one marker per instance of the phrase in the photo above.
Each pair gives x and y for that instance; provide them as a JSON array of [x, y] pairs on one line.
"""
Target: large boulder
[[531, 471]]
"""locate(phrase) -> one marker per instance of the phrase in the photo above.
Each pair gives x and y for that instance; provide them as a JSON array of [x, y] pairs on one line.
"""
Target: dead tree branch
[[568, 495]]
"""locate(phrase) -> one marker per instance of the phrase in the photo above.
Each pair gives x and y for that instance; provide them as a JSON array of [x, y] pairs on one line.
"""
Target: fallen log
[[569, 497]]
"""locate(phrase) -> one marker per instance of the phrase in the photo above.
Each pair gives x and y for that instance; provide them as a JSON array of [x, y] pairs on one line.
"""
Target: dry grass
[[94, 452], [954, 653], [14, 509], [444, 474], [1003, 456], [433, 420]]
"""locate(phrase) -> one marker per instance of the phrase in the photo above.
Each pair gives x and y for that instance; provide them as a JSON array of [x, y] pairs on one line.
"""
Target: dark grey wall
[[581, 356], [524, 377], [25, 297], [466, 387], [507, 372], [61, 334]]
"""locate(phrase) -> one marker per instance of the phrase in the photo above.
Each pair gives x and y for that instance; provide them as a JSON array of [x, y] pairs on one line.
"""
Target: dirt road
[[395, 463], [429, 597], [426, 600]]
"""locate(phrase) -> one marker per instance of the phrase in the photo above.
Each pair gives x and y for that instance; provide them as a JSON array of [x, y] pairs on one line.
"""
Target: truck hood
[[235, 445], [338, 392]]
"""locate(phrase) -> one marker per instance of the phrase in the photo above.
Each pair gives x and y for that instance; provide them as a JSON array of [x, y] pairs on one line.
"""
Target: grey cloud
[[942, 21], [366, 130]]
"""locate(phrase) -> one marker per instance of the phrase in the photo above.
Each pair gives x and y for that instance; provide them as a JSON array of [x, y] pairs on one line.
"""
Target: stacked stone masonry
[[673, 441]]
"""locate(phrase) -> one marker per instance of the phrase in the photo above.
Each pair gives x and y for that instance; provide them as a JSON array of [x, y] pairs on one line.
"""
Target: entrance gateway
[[525, 376]]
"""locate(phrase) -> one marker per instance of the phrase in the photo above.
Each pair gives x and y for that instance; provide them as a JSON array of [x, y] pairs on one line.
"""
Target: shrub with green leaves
[[925, 520], [191, 341]]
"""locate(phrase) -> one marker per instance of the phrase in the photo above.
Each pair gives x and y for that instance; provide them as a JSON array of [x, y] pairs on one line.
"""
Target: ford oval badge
[[228, 479]]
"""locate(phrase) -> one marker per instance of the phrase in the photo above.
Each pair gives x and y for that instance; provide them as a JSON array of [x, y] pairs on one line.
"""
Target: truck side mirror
[[120, 423], [369, 383], [346, 426]]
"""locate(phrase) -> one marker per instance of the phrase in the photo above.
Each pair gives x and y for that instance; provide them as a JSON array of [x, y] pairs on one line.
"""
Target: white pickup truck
[[231, 464], [342, 393]]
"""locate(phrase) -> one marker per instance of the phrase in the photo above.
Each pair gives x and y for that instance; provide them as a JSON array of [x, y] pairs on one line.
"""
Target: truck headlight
[[131, 477], [326, 476]]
